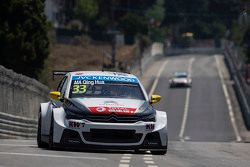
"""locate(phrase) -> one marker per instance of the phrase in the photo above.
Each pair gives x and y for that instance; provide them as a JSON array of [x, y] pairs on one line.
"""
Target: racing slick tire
[[51, 133], [40, 143], [162, 152]]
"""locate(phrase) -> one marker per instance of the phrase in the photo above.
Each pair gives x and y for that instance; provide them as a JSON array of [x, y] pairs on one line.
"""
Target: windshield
[[181, 76], [105, 89]]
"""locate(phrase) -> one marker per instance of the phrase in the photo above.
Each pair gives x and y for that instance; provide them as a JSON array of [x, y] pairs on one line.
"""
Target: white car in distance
[[180, 79]]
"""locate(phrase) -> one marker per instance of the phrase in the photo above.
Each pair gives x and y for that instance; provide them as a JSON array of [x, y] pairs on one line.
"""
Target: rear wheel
[[40, 143]]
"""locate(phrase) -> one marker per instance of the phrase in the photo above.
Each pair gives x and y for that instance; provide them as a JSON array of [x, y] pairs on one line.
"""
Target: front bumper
[[125, 136]]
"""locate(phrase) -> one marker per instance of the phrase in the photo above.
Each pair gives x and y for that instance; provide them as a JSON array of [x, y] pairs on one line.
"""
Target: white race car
[[102, 110], [180, 79]]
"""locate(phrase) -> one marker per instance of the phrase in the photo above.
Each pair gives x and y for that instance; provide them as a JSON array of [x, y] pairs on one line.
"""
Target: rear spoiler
[[59, 73]]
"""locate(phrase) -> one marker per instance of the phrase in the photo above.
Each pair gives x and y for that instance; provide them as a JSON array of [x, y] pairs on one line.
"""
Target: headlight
[[74, 110], [147, 112]]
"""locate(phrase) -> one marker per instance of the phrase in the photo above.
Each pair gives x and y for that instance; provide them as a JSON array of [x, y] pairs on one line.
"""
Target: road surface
[[202, 130]]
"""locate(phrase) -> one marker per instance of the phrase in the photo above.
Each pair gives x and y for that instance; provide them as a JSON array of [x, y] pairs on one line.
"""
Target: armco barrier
[[240, 86], [19, 103]]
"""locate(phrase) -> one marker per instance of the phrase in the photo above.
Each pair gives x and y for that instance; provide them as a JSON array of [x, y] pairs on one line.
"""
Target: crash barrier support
[[241, 88], [19, 104]]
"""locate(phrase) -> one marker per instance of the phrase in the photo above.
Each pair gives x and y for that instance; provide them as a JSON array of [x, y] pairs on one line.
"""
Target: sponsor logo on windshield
[[106, 78]]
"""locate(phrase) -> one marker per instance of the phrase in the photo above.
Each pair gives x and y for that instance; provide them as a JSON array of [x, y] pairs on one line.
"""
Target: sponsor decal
[[111, 104], [106, 78], [88, 82], [73, 124], [109, 110], [150, 126], [100, 109]]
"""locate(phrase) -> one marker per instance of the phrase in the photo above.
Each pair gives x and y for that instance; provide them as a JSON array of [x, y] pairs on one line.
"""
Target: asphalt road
[[201, 131], [207, 117]]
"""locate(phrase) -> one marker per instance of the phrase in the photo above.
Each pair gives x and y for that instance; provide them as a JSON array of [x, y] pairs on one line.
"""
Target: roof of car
[[101, 73]]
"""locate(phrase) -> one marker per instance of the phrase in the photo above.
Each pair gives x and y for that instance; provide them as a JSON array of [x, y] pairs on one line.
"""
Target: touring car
[[180, 79], [102, 110]]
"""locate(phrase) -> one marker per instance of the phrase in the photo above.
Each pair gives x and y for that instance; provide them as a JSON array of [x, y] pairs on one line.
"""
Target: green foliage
[[156, 12], [86, 10], [132, 24], [205, 18], [23, 36], [246, 44], [237, 33]]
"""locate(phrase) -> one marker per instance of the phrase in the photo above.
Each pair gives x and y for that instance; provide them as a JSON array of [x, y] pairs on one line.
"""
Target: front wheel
[[40, 143], [51, 133], [163, 152]]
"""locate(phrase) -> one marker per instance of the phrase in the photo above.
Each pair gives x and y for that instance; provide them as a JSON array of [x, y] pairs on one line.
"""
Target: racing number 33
[[79, 89]]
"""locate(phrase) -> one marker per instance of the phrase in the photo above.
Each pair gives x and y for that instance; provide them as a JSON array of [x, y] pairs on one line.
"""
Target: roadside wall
[[149, 55], [20, 95]]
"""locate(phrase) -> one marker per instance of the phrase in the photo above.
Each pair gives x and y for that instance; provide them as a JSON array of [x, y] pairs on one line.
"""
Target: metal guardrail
[[241, 88]]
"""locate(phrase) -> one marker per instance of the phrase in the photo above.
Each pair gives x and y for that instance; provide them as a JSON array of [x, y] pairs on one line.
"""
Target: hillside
[[91, 57]]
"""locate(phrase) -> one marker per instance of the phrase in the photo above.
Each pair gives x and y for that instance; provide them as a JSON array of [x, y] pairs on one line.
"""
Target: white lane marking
[[185, 114], [51, 156], [19, 145], [157, 78], [148, 155], [147, 158], [149, 162], [123, 165], [125, 161], [228, 100]]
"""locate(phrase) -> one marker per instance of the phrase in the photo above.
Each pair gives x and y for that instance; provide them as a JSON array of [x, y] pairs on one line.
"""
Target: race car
[[102, 110], [180, 79]]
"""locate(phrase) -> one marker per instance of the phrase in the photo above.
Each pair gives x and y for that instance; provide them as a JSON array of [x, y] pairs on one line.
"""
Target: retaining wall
[[20, 98], [149, 55], [20, 95]]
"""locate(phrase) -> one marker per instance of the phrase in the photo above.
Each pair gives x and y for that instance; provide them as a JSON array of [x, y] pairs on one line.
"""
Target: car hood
[[108, 105]]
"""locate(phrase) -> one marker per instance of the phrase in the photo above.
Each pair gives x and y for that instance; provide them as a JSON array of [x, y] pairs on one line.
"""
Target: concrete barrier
[[19, 103], [150, 54]]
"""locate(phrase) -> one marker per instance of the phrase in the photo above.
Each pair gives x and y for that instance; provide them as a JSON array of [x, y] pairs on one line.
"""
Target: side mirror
[[155, 99], [55, 95]]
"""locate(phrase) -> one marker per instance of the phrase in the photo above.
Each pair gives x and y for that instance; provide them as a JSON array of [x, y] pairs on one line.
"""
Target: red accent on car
[[109, 110]]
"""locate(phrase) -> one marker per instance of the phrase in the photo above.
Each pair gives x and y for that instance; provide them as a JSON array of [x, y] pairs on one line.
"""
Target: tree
[[157, 12], [86, 10], [23, 36], [246, 44], [132, 24]]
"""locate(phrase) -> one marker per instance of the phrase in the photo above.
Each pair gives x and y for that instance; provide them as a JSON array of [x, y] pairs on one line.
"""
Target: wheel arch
[[45, 111]]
